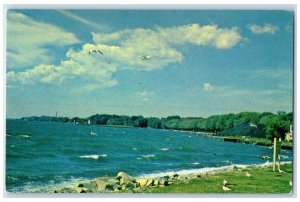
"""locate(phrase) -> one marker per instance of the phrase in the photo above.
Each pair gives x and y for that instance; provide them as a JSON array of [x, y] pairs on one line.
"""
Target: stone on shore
[[101, 185], [130, 185], [89, 185], [149, 183], [142, 182], [124, 178], [162, 182], [80, 190]]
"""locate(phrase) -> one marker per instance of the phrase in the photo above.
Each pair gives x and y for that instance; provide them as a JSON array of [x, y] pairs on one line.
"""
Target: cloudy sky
[[152, 63]]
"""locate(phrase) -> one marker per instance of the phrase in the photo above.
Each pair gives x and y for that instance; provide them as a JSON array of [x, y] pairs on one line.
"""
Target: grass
[[262, 181], [257, 140]]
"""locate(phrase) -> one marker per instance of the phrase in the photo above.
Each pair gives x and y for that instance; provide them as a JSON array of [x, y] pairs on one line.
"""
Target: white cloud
[[123, 50], [73, 16], [207, 87], [144, 95], [81, 69], [266, 28], [161, 44], [27, 40]]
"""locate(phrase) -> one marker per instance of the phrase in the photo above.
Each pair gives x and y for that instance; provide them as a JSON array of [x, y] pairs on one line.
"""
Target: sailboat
[[92, 133]]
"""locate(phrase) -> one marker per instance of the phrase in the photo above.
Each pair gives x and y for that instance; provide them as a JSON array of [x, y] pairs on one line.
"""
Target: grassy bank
[[255, 140], [262, 180]]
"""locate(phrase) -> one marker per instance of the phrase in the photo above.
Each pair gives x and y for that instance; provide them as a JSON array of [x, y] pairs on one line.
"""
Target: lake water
[[41, 155]]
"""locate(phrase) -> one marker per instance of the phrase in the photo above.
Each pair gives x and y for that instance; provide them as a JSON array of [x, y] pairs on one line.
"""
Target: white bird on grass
[[225, 182], [225, 188], [248, 174]]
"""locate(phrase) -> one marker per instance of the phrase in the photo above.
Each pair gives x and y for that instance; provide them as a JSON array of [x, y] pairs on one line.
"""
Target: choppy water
[[41, 155]]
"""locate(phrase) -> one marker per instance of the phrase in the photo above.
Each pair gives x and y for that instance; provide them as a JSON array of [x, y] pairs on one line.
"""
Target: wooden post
[[279, 153], [274, 154]]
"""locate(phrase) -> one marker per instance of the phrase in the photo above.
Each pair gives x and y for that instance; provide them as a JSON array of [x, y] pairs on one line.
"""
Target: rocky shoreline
[[124, 183]]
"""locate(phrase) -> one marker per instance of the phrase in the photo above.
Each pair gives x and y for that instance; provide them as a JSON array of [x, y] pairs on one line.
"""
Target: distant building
[[289, 135]]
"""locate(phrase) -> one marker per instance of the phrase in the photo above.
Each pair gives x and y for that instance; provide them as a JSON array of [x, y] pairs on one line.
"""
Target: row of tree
[[273, 125]]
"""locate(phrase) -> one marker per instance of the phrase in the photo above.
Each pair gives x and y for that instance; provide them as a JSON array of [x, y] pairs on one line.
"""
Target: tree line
[[273, 125]]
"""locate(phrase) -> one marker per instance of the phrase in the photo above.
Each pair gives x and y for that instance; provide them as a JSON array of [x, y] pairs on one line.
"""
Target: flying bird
[[143, 57], [95, 51], [225, 188]]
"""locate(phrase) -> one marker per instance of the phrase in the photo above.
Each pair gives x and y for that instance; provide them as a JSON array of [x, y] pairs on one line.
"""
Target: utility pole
[[274, 154]]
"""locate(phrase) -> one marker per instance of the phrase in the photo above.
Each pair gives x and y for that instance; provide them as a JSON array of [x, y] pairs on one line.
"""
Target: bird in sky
[[143, 57], [95, 51]]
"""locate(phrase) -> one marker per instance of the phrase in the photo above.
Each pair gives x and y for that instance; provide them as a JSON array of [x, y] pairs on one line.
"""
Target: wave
[[25, 136], [149, 156], [164, 149], [284, 157], [206, 170], [48, 186], [94, 156]]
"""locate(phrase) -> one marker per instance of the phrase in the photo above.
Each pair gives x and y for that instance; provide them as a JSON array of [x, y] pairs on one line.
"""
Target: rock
[[55, 191], [89, 185], [80, 185], [130, 186], [150, 182], [163, 182], [113, 182], [142, 182], [110, 187], [175, 175], [124, 178], [67, 190], [80, 190], [101, 185]]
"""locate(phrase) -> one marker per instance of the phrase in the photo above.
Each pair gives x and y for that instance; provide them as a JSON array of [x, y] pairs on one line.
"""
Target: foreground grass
[[262, 181]]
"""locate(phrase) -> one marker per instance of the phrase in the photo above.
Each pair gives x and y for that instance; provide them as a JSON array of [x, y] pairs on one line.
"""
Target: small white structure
[[289, 135]]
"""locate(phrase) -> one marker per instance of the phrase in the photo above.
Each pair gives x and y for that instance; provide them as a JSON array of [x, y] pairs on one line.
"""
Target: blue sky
[[200, 62]]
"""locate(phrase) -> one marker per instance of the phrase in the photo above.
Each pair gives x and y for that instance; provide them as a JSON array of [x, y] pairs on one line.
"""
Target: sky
[[148, 62]]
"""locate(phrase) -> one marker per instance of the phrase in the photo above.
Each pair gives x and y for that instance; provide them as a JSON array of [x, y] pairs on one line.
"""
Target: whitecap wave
[[164, 149], [149, 156], [207, 170], [94, 156], [25, 136], [284, 156]]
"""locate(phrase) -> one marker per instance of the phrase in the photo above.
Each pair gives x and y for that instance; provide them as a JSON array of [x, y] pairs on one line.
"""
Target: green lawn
[[262, 181]]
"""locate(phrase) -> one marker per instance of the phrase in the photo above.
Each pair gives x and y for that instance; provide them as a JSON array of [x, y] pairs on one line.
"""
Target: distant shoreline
[[236, 139]]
